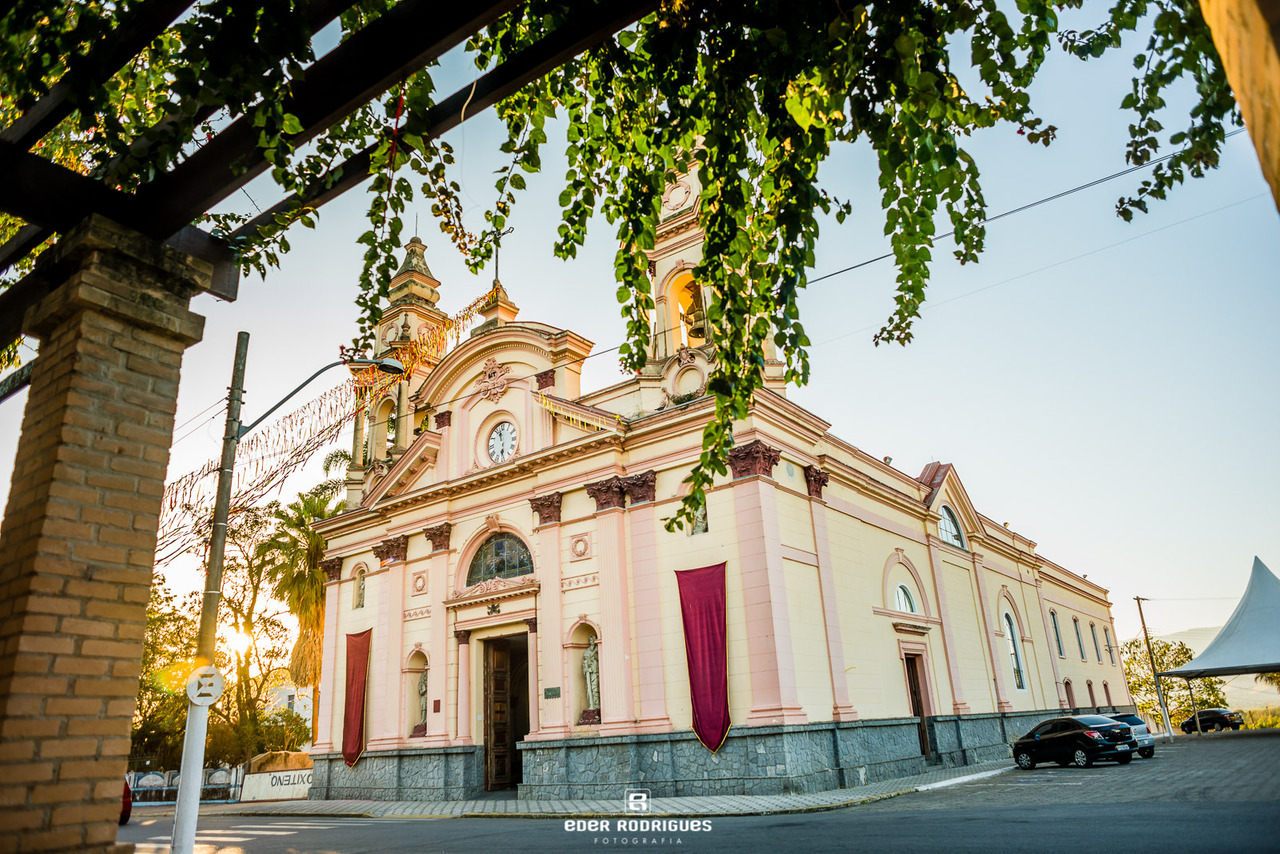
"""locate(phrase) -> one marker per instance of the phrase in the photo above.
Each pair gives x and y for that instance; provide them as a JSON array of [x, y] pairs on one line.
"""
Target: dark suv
[[1080, 740], [1213, 719]]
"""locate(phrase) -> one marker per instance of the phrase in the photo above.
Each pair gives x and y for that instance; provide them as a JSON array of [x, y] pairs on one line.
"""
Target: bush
[[1262, 719]]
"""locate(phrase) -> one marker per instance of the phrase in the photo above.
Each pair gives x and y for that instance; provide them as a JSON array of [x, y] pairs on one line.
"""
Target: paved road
[[1210, 796]]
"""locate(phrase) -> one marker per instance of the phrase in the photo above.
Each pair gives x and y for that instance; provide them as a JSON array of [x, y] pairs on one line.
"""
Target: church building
[[505, 608]]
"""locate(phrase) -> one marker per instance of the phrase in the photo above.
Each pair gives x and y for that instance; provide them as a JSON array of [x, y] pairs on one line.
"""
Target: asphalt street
[[1219, 796]]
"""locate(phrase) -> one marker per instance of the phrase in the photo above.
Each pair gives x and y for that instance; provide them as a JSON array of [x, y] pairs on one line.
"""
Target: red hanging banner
[[706, 638], [353, 711]]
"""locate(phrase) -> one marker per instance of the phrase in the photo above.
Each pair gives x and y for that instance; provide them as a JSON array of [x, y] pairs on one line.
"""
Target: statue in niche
[[591, 670], [699, 521], [422, 697], [360, 591]]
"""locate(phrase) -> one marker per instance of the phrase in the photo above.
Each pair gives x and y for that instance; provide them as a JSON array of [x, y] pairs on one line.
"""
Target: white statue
[[591, 670], [360, 591], [422, 697]]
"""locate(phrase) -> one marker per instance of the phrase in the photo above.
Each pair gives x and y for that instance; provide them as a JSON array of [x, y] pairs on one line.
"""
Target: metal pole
[[1164, 709], [192, 773], [1195, 713]]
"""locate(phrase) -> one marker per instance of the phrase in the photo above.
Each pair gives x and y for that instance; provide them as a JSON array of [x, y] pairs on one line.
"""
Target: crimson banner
[[353, 712], [706, 638]]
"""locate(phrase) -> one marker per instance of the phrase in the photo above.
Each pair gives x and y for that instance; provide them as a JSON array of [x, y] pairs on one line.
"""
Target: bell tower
[[412, 314]]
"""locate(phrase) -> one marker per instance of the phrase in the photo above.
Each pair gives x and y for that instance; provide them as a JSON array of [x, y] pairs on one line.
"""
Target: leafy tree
[[293, 553], [1272, 679], [168, 647], [1208, 692], [753, 94]]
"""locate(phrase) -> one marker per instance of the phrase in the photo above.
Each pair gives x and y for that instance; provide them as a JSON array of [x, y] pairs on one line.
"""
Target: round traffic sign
[[205, 685]]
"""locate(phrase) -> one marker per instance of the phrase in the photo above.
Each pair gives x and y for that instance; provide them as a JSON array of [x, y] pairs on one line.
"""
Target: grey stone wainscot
[[407, 774]]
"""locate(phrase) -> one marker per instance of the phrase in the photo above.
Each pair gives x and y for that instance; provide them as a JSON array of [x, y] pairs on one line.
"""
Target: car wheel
[[1081, 759], [1024, 760], [1217, 727], [1147, 752], [1125, 759]]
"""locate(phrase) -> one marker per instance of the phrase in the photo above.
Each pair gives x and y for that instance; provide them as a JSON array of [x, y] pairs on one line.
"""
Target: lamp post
[[189, 783]]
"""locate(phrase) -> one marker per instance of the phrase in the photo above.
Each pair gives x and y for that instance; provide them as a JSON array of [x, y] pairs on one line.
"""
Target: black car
[[1213, 719], [1080, 740]]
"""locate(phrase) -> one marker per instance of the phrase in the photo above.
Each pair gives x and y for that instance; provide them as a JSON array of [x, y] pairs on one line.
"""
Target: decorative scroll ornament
[[493, 384], [547, 507], [753, 458], [494, 585], [685, 356], [816, 478], [394, 549]]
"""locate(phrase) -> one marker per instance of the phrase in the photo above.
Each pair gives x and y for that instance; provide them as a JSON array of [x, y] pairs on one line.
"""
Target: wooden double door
[[506, 709]]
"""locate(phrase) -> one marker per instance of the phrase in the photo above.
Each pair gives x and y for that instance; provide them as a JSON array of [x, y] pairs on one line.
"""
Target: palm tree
[[1272, 679], [296, 551]]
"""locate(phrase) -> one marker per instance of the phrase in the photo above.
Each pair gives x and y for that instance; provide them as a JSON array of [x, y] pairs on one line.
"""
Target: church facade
[[503, 609]]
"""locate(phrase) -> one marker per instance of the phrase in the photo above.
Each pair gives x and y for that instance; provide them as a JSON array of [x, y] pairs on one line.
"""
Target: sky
[[1107, 388]]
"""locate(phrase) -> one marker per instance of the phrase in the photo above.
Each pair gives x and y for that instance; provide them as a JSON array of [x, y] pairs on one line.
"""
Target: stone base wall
[[411, 774], [774, 760]]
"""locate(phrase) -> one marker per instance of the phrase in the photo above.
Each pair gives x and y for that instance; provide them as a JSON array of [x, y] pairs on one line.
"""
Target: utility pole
[[1164, 709]]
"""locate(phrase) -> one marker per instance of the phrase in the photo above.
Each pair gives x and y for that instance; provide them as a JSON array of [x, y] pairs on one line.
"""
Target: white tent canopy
[[1250, 641]]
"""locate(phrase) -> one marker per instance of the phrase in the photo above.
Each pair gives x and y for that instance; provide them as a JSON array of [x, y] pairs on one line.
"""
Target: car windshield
[[1132, 720], [1095, 720]]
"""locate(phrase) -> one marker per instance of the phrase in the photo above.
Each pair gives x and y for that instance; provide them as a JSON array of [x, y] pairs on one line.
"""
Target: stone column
[[329, 661], [464, 686], [355, 471], [989, 638], [404, 430], [842, 709], [551, 606], [617, 713], [79, 535], [652, 686], [438, 590], [534, 699], [936, 568], [774, 699]]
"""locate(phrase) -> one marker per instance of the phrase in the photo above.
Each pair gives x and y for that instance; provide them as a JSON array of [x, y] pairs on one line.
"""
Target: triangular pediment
[[946, 488]]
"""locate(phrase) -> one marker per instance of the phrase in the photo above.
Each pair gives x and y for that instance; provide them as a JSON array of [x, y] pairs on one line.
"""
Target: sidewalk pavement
[[695, 806]]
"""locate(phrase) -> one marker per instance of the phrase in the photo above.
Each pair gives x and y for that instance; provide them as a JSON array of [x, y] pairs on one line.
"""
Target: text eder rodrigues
[[638, 825]]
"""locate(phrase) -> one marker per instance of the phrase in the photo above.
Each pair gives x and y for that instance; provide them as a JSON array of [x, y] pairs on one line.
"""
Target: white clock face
[[502, 442]]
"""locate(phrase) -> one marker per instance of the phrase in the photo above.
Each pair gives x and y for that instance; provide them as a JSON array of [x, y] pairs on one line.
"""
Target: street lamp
[[188, 806]]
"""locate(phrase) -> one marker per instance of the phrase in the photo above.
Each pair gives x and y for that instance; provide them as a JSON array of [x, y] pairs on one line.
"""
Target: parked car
[[126, 804], [1213, 719], [1141, 733], [1077, 740]]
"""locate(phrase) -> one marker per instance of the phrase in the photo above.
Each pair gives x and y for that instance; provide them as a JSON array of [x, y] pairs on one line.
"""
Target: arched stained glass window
[[1057, 635], [902, 600], [1011, 633], [501, 556], [949, 528], [1079, 639], [1096, 648]]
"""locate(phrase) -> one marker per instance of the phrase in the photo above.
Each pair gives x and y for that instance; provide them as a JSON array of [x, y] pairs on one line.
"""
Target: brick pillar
[[79, 535]]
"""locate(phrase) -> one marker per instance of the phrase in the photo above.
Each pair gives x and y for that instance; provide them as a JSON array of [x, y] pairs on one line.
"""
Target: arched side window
[[1106, 690], [1071, 693], [949, 528], [1093, 630], [903, 601], [1057, 633], [1015, 655], [1111, 650], [1080, 639], [501, 556], [1093, 701]]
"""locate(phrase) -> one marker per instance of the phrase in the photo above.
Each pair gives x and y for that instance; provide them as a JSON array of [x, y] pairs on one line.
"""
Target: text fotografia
[[638, 825]]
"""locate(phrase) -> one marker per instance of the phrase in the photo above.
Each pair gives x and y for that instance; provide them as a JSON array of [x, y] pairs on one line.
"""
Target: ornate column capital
[[463, 636], [444, 419], [532, 623], [753, 458], [546, 379], [439, 536], [816, 478], [640, 487], [332, 568], [547, 507], [608, 493], [393, 549]]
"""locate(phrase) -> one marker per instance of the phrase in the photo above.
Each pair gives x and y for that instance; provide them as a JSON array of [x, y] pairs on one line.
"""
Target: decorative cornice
[[396, 548], [439, 536], [753, 458], [640, 487], [444, 419], [494, 588], [816, 478], [332, 568], [547, 507], [576, 581], [546, 379], [911, 628], [417, 613], [607, 493]]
